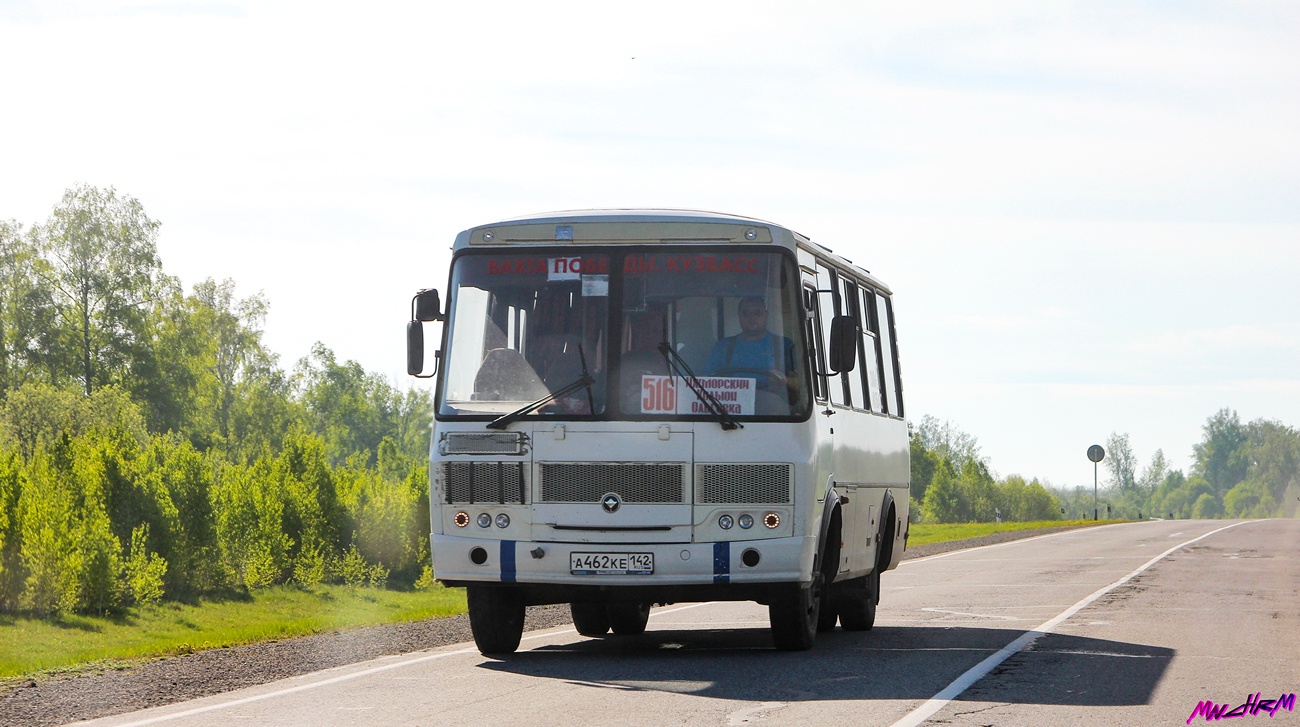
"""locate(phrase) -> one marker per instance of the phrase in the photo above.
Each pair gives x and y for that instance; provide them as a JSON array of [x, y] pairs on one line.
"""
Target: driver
[[754, 348]]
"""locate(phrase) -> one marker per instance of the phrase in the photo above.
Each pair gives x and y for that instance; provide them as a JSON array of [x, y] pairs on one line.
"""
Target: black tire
[[590, 619], [794, 615], [829, 612], [628, 619], [858, 608], [496, 617]]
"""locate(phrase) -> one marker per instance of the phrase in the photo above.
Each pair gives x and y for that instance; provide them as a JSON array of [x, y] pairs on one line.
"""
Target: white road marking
[[975, 615], [1174, 535], [975, 673]]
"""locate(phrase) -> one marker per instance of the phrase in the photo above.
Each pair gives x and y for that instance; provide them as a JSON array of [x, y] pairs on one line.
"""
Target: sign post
[[1095, 454]]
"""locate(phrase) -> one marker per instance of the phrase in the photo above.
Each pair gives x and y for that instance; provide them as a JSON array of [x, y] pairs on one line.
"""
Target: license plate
[[611, 564]]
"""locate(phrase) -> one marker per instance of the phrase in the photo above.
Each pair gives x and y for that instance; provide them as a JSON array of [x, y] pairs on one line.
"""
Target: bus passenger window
[[897, 378], [887, 354], [871, 352], [851, 299]]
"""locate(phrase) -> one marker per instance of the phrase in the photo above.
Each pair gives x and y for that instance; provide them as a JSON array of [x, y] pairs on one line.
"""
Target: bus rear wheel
[[496, 618], [794, 616], [590, 619], [858, 612], [829, 612], [628, 619]]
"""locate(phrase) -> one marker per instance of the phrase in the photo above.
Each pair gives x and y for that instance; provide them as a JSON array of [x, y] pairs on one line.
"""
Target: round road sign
[[1096, 453]]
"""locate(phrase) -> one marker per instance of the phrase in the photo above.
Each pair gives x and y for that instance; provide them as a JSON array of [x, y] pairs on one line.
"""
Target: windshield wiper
[[585, 380], [677, 363]]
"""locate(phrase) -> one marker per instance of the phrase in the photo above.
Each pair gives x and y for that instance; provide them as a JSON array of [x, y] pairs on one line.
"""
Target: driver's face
[[753, 318]]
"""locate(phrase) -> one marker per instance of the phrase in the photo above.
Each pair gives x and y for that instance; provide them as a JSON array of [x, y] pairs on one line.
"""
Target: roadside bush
[[144, 570]]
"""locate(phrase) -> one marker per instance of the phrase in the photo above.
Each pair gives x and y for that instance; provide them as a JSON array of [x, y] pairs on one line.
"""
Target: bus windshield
[[522, 326]]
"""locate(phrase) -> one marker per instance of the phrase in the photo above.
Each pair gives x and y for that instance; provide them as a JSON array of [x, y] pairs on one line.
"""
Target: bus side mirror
[[426, 306], [843, 344], [414, 348]]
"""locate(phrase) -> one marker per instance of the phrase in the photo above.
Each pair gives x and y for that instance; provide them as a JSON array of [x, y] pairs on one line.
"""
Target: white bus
[[655, 406]]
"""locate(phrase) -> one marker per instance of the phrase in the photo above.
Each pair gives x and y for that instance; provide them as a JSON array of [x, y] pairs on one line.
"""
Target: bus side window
[[870, 353], [851, 299], [887, 354], [816, 350], [869, 299], [897, 378]]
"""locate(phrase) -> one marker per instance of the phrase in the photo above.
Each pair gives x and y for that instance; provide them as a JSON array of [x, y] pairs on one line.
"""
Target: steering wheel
[[768, 380]]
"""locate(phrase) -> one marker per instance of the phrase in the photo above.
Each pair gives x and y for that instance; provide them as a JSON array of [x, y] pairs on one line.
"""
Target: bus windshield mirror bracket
[[677, 363]]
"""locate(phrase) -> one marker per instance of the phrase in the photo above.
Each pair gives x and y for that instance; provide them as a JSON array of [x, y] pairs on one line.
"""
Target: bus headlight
[[746, 521], [503, 520], [725, 522], [772, 520], [484, 520], [461, 519]]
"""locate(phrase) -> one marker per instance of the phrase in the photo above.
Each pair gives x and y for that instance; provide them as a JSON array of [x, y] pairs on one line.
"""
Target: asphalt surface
[[1217, 619]]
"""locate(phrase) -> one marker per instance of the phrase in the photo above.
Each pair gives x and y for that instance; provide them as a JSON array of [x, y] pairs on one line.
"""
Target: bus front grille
[[743, 484], [633, 483], [486, 482]]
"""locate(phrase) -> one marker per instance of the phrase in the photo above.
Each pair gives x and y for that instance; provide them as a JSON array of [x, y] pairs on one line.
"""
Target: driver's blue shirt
[[735, 352]]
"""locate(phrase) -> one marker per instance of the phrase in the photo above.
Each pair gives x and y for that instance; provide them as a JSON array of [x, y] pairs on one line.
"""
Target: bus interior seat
[[504, 375]]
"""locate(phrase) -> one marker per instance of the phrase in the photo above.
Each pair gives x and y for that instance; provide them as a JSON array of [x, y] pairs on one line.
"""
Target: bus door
[[820, 298]]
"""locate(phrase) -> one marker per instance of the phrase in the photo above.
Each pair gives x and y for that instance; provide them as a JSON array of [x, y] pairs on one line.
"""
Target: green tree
[[1222, 457], [1121, 462], [11, 488], [942, 499], [144, 570], [1207, 507], [353, 410], [948, 442], [1273, 458], [234, 328], [924, 464], [28, 326], [1026, 501], [1155, 473], [104, 271]]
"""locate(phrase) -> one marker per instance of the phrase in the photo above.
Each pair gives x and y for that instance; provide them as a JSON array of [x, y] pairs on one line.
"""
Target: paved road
[[1215, 619]]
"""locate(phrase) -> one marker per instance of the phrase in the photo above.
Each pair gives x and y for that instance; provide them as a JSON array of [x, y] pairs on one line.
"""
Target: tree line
[[1239, 470], [952, 482], [152, 447]]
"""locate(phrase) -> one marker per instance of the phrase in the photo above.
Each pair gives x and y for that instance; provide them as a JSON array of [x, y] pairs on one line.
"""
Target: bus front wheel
[[496, 618], [794, 615]]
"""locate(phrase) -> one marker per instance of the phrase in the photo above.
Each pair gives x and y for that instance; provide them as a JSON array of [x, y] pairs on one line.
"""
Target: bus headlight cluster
[[746, 521], [484, 520]]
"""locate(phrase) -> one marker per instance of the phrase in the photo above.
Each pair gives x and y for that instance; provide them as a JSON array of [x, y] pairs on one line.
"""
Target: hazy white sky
[[1090, 213]]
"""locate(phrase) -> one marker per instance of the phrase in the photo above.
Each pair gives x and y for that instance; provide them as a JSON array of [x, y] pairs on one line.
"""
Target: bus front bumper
[[781, 560]]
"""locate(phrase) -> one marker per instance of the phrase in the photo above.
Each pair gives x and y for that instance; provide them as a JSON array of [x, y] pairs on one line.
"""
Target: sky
[[1089, 212]]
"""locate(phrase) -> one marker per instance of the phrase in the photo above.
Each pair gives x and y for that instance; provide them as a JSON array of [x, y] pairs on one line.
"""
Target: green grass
[[31, 647], [922, 533]]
